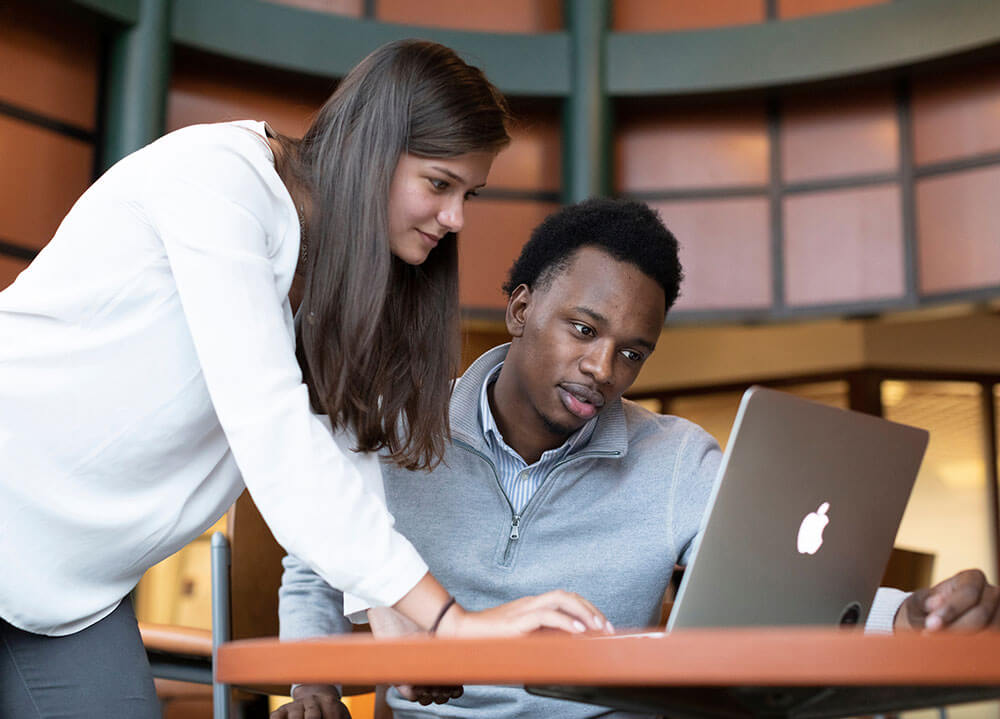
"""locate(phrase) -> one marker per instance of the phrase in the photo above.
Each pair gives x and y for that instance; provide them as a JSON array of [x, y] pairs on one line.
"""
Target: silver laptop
[[802, 517]]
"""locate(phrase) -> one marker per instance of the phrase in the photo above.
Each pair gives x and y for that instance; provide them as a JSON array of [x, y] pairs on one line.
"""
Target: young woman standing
[[150, 366]]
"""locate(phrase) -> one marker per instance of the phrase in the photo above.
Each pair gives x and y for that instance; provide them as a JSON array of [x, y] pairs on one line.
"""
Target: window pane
[[832, 136], [209, 89], [534, 158], [44, 173], [507, 16], [665, 15], [51, 64], [948, 513], [843, 246], [352, 8], [676, 148], [725, 252], [958, 223], [955, 114], [495, 231]]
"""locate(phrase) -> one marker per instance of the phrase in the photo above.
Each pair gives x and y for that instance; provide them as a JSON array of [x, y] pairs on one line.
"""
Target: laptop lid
[[802, 516]]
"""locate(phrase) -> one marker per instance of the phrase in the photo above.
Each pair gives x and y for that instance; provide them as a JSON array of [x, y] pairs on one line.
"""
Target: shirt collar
[[489, 427]]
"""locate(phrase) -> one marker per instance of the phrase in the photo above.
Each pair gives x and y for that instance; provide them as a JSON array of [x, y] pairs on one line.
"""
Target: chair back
[[255, 572]]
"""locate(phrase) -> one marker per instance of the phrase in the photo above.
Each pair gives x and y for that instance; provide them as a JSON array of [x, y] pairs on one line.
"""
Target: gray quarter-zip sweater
[[608, 522]]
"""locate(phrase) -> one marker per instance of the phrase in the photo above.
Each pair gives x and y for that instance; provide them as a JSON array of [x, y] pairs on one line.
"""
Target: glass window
[[958, 221], [725, 251], [662, 149], [948, 513], [824, 135], [843, 246]]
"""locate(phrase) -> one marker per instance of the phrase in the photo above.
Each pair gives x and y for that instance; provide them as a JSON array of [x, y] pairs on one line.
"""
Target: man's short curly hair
[[628, 230]]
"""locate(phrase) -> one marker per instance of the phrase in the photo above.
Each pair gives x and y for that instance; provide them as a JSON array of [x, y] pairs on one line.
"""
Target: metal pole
[[221, 619], [587, 110], [137, 81]]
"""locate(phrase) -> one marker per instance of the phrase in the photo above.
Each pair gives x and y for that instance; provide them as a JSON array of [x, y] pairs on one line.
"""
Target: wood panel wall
[[48, 124]]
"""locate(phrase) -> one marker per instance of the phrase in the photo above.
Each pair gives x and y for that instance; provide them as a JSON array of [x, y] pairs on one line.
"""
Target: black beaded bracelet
[[444, 610]]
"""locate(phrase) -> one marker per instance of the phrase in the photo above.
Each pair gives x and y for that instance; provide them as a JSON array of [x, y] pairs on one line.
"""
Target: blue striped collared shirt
[[519, 480]]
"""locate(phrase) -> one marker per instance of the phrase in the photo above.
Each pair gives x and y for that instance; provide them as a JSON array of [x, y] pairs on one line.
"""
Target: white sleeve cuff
[[883, 612]]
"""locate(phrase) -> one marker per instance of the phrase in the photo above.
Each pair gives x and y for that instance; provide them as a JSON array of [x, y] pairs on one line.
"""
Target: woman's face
[[427, 200]]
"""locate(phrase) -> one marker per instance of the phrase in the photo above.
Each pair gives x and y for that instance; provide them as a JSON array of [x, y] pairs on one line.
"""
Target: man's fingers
[[311, 709], [981, 614], [317, 706], [949, 602], [288, 711], [331, 707]]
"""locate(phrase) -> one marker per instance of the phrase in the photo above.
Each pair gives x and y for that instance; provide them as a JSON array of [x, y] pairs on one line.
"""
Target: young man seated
[[553, 481]]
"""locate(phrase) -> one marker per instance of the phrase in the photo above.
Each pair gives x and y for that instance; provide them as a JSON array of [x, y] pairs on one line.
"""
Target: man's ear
[[517, 306]]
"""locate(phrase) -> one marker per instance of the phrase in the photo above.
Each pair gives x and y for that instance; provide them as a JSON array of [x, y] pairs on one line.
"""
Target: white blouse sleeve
[[215, 211]]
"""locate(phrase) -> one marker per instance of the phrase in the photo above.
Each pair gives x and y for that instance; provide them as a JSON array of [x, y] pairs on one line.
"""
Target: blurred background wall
[[831, 168]]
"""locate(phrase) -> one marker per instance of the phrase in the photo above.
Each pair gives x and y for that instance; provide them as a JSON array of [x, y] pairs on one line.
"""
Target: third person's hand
[[313, 701]]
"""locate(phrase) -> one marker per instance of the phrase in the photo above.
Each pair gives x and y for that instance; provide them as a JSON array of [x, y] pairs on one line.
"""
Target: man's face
[[580, 341]]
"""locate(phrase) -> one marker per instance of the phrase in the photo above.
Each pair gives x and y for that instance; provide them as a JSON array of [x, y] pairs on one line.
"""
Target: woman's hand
[[560, 610], [557, 610], [313, 701]]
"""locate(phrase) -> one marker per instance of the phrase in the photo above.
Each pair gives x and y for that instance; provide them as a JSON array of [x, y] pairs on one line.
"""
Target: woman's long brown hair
[[378, 338]]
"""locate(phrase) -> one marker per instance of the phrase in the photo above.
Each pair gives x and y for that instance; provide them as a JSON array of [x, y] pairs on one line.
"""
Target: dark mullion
[[698, 193], [368, 10], [732, 315], [911, 268], [746, 315], [771, 9], [992, 478], [842, 375], [49, 123], [973, 162], [907, 170], [840, 183], [499, 193], [851, 309], [587, 109], [775, 196], [979, 294], [19, 251]]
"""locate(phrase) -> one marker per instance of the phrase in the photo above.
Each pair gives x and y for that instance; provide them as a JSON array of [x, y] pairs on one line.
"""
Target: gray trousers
[[101, 671]]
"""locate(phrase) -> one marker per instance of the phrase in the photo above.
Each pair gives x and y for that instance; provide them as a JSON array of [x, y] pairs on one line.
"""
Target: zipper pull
[[515, 520]]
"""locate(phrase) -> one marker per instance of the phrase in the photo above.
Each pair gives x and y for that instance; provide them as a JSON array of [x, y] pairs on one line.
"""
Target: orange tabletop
[[724, 658]]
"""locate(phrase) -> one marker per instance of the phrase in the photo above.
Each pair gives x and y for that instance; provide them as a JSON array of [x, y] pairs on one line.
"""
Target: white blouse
[[147, 370]]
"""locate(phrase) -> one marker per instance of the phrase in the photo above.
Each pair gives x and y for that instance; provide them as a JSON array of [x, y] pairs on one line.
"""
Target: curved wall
[[859, 195], [48, 125]]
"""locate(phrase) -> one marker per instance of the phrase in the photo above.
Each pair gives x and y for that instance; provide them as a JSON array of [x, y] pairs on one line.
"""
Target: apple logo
[[811, 530]]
